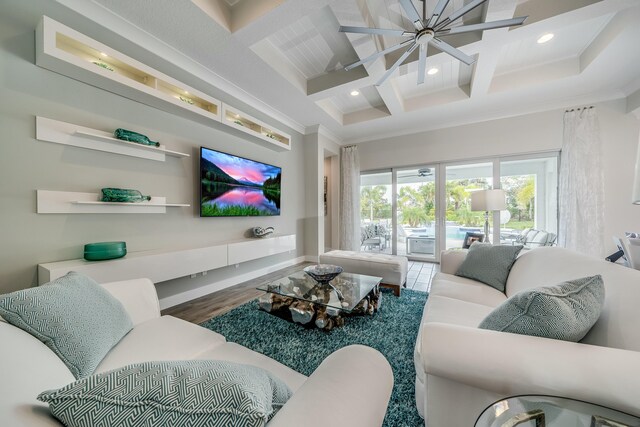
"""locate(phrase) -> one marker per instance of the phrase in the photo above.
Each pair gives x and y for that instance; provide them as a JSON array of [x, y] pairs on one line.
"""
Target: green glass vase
[[131, 136], [123, 195]]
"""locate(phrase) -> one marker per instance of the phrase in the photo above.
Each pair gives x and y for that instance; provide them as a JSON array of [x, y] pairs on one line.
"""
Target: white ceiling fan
[[428, 30]]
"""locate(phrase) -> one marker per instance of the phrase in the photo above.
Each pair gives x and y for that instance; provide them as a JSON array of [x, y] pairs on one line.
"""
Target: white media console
[[160, 266]]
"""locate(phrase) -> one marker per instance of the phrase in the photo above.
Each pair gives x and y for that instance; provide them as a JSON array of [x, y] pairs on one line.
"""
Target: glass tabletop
[[352, 288], [543, 411]]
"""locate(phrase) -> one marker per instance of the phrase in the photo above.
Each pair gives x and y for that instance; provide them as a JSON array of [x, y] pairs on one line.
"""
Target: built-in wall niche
[[244, 122], [101, 59], [68, 52]]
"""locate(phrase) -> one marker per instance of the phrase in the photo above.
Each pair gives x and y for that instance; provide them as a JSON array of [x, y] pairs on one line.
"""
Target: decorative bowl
[[104, 250], [323, 273]]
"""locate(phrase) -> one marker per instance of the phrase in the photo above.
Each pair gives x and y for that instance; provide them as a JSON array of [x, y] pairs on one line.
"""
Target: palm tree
[[414, 216], [373, 204], [526, 195]]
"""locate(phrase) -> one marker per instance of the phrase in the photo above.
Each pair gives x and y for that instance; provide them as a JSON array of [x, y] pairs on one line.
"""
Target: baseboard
[[232, 281]]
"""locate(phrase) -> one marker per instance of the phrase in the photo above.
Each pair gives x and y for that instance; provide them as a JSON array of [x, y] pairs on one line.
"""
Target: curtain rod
[[578, 109]]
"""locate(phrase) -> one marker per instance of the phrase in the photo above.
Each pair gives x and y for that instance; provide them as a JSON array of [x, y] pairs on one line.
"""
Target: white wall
[[26, 165], [317, 147], [526, 134]]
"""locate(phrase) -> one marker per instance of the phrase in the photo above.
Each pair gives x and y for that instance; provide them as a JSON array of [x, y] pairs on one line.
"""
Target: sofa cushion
[[149, 341], [177, 393], [73, 315], [233, 352], [448, 285], [565, 311], [453, 311], [489, 264]]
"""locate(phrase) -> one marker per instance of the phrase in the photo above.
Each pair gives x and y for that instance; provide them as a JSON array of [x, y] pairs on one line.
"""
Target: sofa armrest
[[139, 298], [512, 364], [351, 388], [451, 260]]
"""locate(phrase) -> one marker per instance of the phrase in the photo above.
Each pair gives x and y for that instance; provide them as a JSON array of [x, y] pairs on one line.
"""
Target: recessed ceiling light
[[545, 38], [355, 93], [432, 71]]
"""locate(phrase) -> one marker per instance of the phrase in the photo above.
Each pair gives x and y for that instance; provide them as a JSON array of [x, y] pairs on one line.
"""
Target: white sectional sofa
[[462, 369], [342, 389]]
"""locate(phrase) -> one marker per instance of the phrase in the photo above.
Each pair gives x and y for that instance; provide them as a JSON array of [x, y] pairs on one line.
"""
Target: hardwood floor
[[217, 303]]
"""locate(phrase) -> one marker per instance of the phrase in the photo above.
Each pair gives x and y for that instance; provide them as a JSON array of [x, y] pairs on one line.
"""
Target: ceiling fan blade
[[482, 26], [380, 31], [422, 63], [378, 54], [437, 13], [412, 14], [397, 64], [460, 12], [456, 53]]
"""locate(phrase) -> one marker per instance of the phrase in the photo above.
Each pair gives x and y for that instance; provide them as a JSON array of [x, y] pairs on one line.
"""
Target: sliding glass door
[[416, 212], [376, 228], [531, 185], [420, 210], [461, 181]]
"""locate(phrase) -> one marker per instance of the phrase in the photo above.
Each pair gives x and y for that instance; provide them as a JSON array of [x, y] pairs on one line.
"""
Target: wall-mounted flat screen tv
[[235, 186]]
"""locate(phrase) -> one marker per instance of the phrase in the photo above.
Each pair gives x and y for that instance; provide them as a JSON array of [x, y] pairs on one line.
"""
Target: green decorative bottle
[[123, 195], [131, 136]]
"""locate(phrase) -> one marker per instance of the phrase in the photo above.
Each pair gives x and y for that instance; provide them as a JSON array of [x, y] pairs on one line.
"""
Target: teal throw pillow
[[489, 263], [204, 393], [565, 311], [74, 316]]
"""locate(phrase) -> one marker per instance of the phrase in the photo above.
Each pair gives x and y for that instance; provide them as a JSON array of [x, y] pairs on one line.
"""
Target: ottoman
[[392, 268]]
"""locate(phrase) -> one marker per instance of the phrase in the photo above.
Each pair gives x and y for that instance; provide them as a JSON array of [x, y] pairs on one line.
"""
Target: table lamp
[[488, 200]]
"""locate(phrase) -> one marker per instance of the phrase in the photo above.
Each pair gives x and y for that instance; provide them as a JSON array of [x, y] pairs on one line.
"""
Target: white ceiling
[[289, 55]]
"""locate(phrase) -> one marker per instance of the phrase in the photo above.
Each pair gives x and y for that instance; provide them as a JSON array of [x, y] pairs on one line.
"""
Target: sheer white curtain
[[581, 195], [349, 199]]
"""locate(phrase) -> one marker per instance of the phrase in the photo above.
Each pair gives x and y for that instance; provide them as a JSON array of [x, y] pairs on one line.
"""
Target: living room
[[246, 61]]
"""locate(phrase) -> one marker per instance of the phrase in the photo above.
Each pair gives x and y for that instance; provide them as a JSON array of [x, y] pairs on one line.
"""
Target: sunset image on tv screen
[[235, 186]]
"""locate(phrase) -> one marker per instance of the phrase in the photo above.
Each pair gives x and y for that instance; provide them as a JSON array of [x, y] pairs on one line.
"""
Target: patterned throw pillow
[[489, 263], [203, 393], [74, 316], [565, 311]]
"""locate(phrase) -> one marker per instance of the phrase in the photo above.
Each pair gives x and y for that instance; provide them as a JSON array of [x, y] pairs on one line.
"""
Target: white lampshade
[[635, 198], [488, 200]]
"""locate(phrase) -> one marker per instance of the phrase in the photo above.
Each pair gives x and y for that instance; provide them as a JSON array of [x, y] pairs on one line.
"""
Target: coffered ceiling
[[289, 55]]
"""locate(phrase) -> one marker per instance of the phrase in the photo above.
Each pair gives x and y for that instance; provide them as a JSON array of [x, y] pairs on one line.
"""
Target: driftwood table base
[[311, 315]]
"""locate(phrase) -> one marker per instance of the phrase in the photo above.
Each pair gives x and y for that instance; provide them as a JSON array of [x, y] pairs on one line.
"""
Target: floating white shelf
[[50, 130], [243, 122], [57, 202], [68, 52], [160, 266]]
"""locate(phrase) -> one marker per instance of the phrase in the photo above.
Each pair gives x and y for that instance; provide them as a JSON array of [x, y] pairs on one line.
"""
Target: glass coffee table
[[548, 411], [300, 299]]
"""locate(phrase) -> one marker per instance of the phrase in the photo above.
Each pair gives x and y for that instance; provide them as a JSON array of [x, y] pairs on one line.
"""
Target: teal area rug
[[392, 331]]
